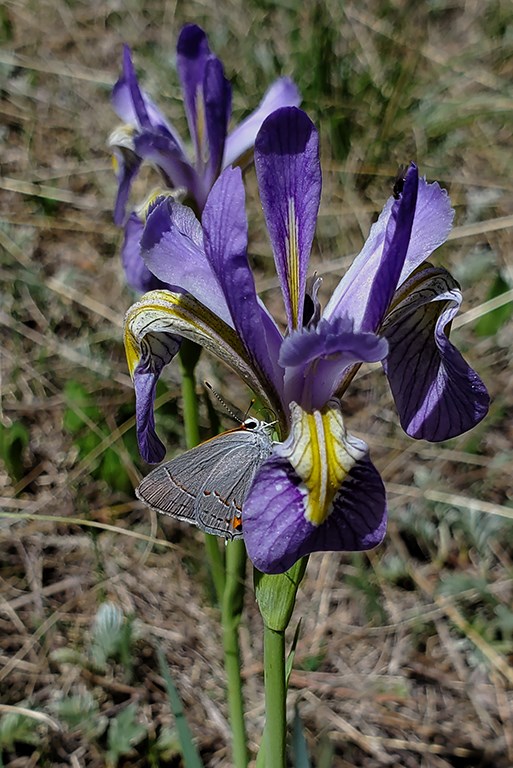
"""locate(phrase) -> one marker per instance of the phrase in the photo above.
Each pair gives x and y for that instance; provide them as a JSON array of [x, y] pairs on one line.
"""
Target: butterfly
[[208, 484]]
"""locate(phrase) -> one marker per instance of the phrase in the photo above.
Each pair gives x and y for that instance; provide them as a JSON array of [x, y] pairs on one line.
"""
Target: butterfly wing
[[220, 501], [164, 491], [207, 485], [173, 487]]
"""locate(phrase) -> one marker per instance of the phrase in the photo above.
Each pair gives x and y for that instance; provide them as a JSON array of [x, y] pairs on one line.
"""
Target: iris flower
[[147, 136], [319, 489]]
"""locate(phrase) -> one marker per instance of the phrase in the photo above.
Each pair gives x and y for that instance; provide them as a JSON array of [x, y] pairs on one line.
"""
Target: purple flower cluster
[[319, 489], [146, 136]]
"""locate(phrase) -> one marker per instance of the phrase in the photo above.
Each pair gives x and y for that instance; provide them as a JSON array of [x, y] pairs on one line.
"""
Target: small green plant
[[81, 712], [17, 727], [112, 638], [84, 420], [365, 583], [124, 733], [13, 441], [490, 323]]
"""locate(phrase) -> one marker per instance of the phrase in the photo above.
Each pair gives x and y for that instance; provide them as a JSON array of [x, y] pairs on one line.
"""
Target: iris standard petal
[[365, 291], [282, 93], [207, 96], [431, 225], [217, 94], [161, 150], [172, 248], [316, 358], [147, 136], [319, 491], [289, 181], [437, 394], [126, 167], [127, 98], [166, 313], [225, 234], [134, 106], [193, 52], [137, 274]]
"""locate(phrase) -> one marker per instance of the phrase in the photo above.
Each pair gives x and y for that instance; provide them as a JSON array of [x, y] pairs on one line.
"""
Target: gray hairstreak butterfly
[[207, 485]]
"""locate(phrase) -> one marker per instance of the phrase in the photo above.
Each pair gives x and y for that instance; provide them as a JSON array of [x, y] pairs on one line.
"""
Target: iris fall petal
[[277, 533], [437, 394]]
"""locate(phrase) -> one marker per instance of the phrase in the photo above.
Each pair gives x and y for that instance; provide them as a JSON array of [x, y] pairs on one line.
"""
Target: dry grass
[[405, 655]]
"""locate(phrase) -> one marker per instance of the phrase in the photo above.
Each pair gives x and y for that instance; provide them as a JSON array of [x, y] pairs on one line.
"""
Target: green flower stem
[[189, 356], [215, 564], [232, 605], [276, 596], [229, 583], [275, 732]]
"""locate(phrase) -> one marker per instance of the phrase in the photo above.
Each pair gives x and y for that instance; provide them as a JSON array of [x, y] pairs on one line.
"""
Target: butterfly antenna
[[229, 410], [250, 406]]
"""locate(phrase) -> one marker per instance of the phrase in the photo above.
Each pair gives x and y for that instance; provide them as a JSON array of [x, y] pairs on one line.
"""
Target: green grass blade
[[190, 753], [301, 758]]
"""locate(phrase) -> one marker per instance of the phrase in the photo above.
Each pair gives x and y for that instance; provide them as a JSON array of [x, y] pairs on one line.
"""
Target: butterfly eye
[[250, 423]]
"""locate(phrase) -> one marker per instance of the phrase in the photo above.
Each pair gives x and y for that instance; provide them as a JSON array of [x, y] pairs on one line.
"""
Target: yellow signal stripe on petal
[[149, 322], [322, 454], [293, 262], [181, 314], [123, 137], [142, 210]]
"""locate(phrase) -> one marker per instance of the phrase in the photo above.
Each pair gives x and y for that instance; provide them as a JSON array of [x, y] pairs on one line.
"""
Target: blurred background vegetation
[[405, 654]]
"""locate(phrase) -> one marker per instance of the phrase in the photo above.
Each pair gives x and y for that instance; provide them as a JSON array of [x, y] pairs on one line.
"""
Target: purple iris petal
[[437, 394], [137, 274], [274, 525], [317, 358], [128, 167], [133, 106], [130, 110], [193, 52], [282, 93], [218, 106], [332, 337], [431, 225], [172, 248], [225, 232], [158, 349], [289, 181], [153, 139], [161, 150], [397, 239], [208, 101]]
